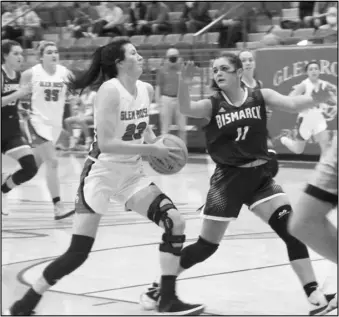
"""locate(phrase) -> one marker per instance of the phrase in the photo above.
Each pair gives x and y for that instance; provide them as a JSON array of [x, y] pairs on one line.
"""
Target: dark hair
[[6, 47], [310, 63], [102, 68], [233, 60]]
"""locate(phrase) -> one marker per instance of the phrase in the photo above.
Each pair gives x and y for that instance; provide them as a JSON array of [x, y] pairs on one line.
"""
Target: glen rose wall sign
[[280, 68]]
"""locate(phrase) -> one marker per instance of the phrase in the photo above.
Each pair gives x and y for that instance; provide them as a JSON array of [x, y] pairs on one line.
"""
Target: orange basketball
[[170, 165]]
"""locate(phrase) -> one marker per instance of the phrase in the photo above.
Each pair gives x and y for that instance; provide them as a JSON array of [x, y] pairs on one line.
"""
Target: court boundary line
[[147, 244]]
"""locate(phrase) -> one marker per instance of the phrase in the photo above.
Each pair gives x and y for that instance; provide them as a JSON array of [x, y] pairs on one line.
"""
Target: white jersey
[[309, 87], [49, 94], [133, 119]]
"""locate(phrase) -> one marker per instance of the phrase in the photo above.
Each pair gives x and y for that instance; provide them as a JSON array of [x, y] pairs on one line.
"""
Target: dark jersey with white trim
[[237, 135], [9, 113], [257, 85]]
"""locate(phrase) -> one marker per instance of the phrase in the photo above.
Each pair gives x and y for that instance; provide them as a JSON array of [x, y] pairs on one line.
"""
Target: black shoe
[[176, 307], [18, 309]]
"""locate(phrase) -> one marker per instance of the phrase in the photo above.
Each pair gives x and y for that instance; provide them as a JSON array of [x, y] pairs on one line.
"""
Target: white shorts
[[40, 132], [102, 181], [324, 183], [311, 123]]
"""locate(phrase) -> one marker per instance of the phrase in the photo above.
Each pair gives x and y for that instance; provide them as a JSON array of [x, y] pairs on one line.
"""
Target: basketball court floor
[[249, 275]]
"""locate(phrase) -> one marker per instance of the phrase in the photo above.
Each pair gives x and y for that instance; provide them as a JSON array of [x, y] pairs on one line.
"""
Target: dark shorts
[[13, 142], [232, 187]]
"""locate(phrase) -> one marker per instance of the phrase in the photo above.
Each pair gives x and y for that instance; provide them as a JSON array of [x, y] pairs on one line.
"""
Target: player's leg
[[271, 205], [159, 208], [19, 150], [91, 202], [310, 223], [166, 115], [180, 120], [304, 132], [223, 204], [85, 121], [273, 164], [69, 122], [46, 153]]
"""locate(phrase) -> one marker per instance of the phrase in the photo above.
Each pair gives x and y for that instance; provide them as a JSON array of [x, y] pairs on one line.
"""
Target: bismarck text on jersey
[[223, 119]]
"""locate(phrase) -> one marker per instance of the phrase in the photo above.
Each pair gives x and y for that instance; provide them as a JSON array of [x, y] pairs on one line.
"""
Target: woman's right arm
[[298, 90], [107, 117]]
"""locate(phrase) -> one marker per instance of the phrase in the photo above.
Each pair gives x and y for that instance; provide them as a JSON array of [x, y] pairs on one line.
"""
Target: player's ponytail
[[89, 77], [102, 68]]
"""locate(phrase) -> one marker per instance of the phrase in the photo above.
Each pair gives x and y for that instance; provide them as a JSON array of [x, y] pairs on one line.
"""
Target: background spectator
[[85, 16], [137, 13], [166, 91], [111, 20], [24, 28], [195, 16], [157, 19]]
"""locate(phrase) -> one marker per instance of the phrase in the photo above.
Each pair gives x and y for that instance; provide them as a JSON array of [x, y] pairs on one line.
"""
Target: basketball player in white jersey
[[47, 108], [114, 170], [311, 122], [310, 222]]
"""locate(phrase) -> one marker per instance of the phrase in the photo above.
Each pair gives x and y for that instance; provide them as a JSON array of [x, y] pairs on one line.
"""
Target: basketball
[[170, 165]]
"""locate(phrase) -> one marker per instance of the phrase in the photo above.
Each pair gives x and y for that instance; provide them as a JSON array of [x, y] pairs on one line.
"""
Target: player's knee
[[73, 258], [197, 252], [52, 163], [163, 211], [29, 167], [273, 164], [279, 222]]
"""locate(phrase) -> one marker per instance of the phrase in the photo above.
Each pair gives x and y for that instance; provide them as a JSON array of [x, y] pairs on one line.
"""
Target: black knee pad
[[29, 170], [273, 164], [279, 223], [157, 213], [67, 263], [197, 252]]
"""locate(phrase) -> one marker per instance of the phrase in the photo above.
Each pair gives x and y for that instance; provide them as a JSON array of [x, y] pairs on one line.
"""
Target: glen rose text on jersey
[[49, 84], [223, 119], [132, 115]]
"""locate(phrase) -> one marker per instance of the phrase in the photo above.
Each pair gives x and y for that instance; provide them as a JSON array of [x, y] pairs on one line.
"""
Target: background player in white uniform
[[310, 221], [114, 169], [45, 123], [13, 143], [311, 122]]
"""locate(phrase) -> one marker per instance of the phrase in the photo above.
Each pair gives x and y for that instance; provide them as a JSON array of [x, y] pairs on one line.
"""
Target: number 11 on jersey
[[242, 132]]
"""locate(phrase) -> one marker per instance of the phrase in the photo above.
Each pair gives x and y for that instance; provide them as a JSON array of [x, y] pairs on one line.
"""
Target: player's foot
[[332, 305], [4, 205], [319, 302], [60, 212], [294, 146], [149, 299], [4, 202], [175, 306]]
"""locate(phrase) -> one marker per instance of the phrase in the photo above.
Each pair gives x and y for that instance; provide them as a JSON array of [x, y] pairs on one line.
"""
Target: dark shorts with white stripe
[[231, 187]]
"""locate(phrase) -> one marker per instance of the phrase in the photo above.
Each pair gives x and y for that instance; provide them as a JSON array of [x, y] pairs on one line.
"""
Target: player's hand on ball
[[187, 72], [324, 93], [162, 151]]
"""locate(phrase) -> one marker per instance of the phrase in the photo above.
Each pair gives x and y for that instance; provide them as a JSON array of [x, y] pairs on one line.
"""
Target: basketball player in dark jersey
[[248, 79], [13, 143], [236, 137]]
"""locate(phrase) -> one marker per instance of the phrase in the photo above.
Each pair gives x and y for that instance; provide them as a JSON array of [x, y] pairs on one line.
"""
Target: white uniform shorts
[[324, 184], [102, 181], [40, 132], [311, 123]]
